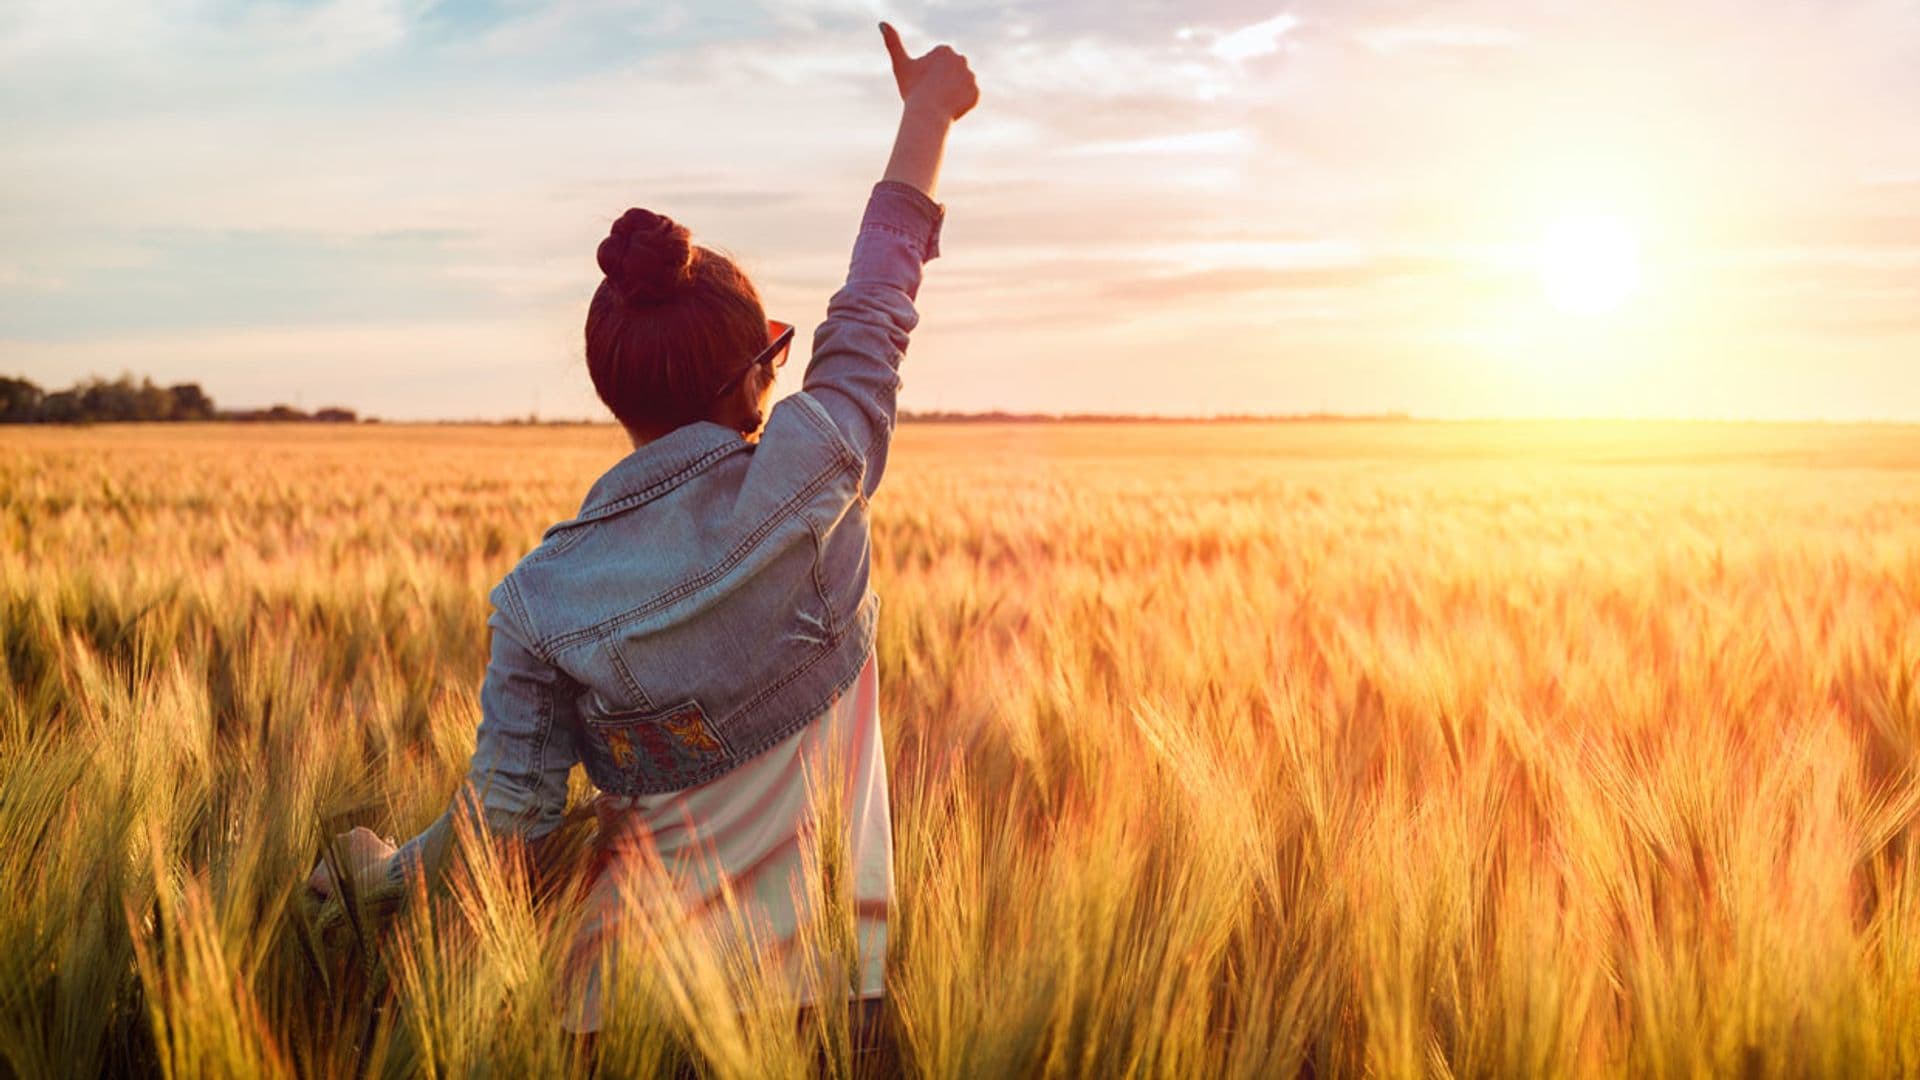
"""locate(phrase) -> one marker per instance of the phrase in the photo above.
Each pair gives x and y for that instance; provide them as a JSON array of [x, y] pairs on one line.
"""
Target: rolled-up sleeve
[[516, 782], [854, 372]]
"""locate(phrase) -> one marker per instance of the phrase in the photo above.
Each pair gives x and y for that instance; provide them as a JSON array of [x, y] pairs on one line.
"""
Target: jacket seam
[[568, 538], [819, 587], [918, 245], [842, 449], [546, 733], [517, 612], [803, 716], [657, 488], [882, 434], [707, 577], [833, 643], [626, 674]]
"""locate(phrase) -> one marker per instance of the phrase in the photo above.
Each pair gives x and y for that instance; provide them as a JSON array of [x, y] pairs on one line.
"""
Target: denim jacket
[[711, 596]]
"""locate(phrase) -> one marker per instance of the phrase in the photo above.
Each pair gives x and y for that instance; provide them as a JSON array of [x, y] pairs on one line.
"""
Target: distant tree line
[[96, 400], [999, 417]]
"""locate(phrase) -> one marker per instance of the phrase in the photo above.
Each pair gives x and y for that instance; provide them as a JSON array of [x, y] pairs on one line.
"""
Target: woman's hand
[[939, 82], [366, 855]]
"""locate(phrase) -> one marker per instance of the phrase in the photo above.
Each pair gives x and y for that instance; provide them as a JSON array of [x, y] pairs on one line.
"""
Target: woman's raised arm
[[854, 370]]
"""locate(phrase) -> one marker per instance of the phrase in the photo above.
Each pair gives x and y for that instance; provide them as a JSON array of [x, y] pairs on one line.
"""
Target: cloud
[[1414, 36], [169, 280], [1235, 46], [325, 34], [1028, 72], [563, 31], [69, 43], [1182, 144], [1364, 274]]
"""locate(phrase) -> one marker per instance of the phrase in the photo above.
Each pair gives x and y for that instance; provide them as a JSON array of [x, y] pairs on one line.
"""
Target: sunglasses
[[779, 341]]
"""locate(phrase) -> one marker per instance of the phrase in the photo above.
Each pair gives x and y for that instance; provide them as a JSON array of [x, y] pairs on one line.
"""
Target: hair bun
[[647, 256]]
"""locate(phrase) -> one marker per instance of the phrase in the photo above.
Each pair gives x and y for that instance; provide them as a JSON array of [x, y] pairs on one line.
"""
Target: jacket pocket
[[643, 752]]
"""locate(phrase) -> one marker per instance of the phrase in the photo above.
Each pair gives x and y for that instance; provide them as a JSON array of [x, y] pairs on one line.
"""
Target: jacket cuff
[[905, 209]]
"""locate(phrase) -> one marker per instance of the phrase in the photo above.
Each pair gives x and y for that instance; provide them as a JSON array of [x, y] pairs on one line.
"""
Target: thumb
[[321, 880], [895, 50]]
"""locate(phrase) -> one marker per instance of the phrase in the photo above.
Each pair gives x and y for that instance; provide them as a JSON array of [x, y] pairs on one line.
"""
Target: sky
[[1459, 208]]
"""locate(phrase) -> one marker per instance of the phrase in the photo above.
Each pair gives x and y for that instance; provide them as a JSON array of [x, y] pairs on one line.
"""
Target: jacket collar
[[657, 468]]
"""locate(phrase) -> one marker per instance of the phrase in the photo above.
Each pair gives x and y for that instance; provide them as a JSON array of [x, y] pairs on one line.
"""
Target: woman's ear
[[745, 409], [750, 400]]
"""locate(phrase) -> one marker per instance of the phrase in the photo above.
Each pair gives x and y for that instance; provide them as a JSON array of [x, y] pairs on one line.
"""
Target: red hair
[[669, 325]]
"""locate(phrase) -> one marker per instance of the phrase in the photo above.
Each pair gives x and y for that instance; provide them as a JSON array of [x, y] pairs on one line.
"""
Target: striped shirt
[[748, 829]]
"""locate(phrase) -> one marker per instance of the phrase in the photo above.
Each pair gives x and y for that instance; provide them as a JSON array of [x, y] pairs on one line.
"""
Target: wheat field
[[1395, 749]]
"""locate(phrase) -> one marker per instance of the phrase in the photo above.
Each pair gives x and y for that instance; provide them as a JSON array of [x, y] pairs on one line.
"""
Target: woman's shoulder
[[660, 552], [799, 426]]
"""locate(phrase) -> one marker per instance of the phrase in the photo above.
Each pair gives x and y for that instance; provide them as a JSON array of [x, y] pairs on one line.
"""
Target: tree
[[20, 401], [99, 400], [150, 402], [190, 402], [118, 400], [62, 407]]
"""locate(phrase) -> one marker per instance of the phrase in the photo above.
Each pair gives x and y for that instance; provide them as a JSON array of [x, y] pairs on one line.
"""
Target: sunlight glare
[[1589, 264]]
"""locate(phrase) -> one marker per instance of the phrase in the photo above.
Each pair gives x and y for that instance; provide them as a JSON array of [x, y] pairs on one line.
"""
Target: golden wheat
[[1396, 749]]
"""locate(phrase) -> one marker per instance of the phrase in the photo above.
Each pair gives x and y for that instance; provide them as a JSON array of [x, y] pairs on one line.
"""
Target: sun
[[1589, 263]]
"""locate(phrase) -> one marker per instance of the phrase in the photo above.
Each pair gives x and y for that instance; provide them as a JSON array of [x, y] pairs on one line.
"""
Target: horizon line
[[992, 416]]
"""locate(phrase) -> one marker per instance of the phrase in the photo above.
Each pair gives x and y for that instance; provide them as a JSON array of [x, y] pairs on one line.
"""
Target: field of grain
[[1230, 750]]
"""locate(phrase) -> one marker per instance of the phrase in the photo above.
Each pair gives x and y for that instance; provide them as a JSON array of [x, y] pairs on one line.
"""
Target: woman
[[701, 635]]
